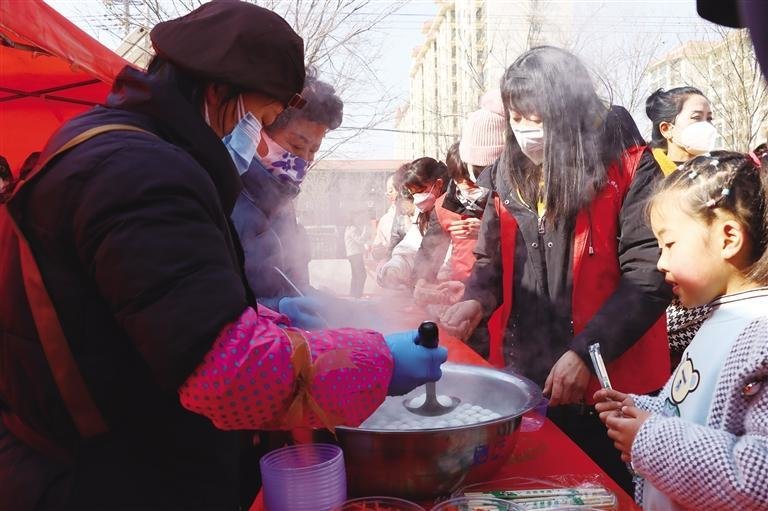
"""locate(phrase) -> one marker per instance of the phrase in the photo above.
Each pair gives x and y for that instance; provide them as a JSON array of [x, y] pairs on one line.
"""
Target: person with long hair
[[681, 129], [564, 253]]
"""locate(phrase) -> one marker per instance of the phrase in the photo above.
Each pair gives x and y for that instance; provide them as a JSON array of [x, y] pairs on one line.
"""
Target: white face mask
[[531, 142], [470, 197], [471, 194], [424, 201], [697, 138]]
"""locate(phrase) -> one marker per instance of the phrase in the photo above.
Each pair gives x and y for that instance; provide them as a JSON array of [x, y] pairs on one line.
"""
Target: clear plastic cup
[[379, 504], [476, 504], [534, 420], [305, 477]]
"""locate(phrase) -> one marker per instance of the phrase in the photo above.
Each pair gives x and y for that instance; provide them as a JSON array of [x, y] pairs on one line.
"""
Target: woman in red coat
[[564, 251]]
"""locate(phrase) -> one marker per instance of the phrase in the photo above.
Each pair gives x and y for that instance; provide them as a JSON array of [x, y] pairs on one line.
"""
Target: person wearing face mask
[[681, 130], [396, 270], [457, 216], [426, 179], [132, 354], [458, 212], [682, 126], [273, 163], [565, 258]]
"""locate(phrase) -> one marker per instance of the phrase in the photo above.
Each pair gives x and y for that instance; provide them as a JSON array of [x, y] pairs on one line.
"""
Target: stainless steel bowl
[[423, 464]]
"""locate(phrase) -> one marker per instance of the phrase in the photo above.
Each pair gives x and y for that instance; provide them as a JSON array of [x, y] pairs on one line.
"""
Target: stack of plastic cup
[[476, 504], [307, 477]]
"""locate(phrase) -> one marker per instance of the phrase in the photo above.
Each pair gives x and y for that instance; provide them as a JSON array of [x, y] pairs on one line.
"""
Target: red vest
[[645, 366], [463, 251]]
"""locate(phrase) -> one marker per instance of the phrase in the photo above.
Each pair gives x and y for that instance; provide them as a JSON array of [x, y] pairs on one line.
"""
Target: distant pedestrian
[[355, 237]]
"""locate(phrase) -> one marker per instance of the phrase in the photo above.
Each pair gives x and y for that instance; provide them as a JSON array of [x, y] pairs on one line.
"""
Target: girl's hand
[[461, 319], [567, 380], [467, 228], [622, 429], [609, 402]]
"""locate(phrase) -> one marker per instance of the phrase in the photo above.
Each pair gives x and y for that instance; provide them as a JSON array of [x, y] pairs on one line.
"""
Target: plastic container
[[476, 504], [306, 477], [534, 420], [379, 504]]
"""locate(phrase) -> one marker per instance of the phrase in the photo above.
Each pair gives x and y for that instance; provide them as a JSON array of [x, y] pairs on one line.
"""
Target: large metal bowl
[[423, 464]]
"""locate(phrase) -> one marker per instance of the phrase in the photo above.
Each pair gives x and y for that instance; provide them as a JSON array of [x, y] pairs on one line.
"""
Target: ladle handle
[[431, 398], [428, 335]]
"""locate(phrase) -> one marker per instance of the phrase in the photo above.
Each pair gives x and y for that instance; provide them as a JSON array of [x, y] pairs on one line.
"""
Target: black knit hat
[[238, 43]]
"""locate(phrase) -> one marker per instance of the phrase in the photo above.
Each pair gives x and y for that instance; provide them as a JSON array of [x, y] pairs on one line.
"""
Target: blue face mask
[[243, 141]]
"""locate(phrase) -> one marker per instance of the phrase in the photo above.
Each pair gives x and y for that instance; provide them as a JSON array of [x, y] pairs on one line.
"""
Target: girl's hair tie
[[755, 159], [693, 174], [725, 192]]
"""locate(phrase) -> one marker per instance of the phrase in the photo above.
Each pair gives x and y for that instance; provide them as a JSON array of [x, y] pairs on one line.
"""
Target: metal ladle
[[430, 407]]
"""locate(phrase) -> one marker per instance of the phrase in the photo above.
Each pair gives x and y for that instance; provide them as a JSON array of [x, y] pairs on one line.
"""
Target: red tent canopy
[[50, 71]]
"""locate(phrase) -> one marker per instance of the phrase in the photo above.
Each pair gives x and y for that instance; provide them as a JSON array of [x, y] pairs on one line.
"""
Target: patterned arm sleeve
[[648, 403], [703, 467], [721, 465], [247, 380]]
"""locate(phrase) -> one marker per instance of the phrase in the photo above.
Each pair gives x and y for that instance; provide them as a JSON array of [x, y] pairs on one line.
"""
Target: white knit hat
[[482, 138]]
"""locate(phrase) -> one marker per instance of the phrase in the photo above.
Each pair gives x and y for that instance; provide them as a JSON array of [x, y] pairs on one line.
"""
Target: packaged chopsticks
[[550, 498]]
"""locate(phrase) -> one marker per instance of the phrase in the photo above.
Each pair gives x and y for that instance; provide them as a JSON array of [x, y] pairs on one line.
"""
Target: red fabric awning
[[50, 71]]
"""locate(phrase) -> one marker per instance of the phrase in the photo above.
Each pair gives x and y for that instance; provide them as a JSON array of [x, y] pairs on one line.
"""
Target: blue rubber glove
[[304, 312], [415, 365]]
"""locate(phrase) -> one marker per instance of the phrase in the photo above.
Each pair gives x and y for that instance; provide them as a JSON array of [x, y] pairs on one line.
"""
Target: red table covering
[[540, 454]]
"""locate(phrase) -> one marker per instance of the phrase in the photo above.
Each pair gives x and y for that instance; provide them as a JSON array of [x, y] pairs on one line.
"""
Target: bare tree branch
[[726, 66], [338, 39]]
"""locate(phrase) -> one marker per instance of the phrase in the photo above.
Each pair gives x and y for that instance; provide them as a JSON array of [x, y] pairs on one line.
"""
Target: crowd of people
[[158, 310], [539, 251]]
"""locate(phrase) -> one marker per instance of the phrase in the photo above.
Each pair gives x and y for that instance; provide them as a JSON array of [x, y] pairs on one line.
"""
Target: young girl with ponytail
[[702, 443]]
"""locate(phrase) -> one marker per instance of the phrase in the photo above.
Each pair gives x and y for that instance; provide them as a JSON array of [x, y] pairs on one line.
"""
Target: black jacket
[[132, 238], [265, 219], [540, 329]]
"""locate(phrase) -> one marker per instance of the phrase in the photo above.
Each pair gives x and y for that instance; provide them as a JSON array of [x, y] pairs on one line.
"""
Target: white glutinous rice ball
[[418, 401]]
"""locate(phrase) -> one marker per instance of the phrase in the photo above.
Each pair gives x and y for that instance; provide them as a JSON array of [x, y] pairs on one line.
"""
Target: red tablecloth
[[540, 454]]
